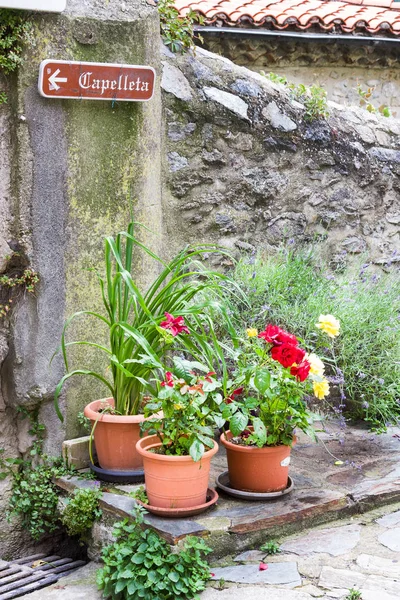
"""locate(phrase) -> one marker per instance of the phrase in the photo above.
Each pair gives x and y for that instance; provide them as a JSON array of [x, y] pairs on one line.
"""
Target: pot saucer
[[178, 513], [117, 476], [222, 482]]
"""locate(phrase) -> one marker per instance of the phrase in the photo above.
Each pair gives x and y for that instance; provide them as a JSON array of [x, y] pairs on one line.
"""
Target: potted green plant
[[142, 327], [267, 404], [178, 450]]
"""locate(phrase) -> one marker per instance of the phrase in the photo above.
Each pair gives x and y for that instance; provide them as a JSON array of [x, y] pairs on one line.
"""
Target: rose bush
[[267, 397]]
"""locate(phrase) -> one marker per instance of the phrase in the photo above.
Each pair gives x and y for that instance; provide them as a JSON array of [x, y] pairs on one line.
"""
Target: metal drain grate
[[25, 575]]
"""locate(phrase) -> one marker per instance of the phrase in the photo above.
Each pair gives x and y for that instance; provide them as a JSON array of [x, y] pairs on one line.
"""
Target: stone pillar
[[81, 170]]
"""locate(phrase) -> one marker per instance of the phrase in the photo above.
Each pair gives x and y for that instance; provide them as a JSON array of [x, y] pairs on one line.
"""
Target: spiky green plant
[[138, 345]]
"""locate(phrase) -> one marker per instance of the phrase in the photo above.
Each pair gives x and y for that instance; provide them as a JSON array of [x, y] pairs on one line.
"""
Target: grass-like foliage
[[354, 594], [271, 547], [140, 565], [138, 340], [292, 289]]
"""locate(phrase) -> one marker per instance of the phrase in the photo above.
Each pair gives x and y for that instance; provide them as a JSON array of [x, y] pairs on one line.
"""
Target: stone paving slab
[[372, 595], [344, 579], [391, 539], [255, 593], [276, 574], [332, 541], [390, 520], [379, 566], [295, 507], [250, 556]]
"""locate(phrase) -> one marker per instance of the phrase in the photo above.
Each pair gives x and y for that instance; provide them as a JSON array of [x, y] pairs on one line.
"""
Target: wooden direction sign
[[44, 5], [95, 81]]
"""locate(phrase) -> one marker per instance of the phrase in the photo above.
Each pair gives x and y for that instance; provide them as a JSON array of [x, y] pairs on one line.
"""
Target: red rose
[[301, 370], [287, 354], [277, 336]]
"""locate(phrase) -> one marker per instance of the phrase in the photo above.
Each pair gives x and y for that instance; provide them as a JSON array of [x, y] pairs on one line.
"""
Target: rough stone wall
[[245, 169], [71, 172], [336, 66]]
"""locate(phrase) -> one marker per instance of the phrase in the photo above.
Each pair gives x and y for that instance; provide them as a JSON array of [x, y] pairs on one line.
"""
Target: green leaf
[[219, 421], [132, 587], [138, 559], [196, 450], [262, 380], [173, 576], [238, 423], [127, 574], [260, 432], [210, 386], [120, 586]]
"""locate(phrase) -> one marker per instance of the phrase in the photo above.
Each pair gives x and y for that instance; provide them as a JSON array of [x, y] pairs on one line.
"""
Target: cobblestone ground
[[361, 553]]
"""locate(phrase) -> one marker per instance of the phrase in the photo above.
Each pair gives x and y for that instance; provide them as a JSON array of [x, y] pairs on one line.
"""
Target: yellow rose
[[329, 324], [321, 389], [317, 366], [252, 332]]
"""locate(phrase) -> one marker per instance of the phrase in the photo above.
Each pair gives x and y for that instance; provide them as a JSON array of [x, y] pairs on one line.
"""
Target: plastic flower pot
[[115, 437], [253, 469], [174, 481]]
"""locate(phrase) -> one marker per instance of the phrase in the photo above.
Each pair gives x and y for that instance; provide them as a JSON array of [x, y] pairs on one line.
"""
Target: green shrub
[[81, 511], [291, 289], [140, 564]]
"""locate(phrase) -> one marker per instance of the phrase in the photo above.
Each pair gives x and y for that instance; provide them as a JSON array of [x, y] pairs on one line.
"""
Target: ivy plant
[[140, 565], [34, 497]]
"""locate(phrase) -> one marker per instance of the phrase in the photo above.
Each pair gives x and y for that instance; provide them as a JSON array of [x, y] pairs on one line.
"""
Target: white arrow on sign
[[54, 80]]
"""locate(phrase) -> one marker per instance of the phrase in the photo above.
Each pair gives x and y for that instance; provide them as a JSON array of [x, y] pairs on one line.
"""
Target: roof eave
[[303, 35]]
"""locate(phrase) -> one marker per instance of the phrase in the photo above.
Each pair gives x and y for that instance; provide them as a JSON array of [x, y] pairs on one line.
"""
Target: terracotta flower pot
[[253, 469], [174, 481], [115, 437]]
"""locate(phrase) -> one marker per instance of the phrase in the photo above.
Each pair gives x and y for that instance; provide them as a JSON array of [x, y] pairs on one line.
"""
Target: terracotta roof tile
[[370, 15]]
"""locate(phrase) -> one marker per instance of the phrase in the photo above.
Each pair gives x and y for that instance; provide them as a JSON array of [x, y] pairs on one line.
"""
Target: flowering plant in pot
[[142, 327], [179, 446], [267, 403]]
